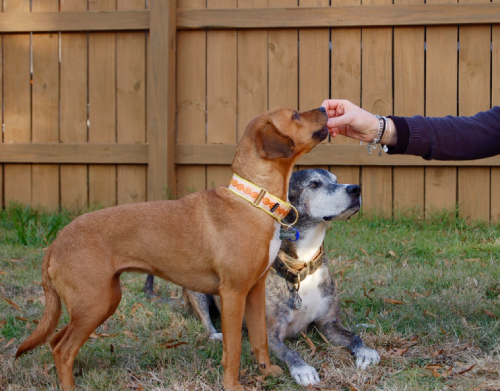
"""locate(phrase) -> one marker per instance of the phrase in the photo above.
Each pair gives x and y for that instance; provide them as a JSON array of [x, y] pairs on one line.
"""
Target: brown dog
[[211, 242]]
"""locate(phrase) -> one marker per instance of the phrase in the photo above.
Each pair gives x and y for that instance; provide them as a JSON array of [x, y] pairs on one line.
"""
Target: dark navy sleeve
[[449, 138]]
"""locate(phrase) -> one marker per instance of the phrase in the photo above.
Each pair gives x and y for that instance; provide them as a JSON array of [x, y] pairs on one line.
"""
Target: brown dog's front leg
[[233, 307], [255, 316]]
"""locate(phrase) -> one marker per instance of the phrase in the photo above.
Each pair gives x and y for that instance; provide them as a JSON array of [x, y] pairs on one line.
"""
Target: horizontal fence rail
[[17, 22], [74, 153], [257, 18], [346, 16]]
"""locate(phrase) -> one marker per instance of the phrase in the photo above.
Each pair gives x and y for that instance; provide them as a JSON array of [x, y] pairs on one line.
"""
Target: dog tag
[[297, 301], [289, 234]]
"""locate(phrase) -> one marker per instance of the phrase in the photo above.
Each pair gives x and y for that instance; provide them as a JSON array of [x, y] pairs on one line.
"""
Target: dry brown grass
[[445, 327]]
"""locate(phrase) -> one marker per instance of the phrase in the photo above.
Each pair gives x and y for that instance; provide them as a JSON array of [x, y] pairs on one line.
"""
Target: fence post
[[161, 99]]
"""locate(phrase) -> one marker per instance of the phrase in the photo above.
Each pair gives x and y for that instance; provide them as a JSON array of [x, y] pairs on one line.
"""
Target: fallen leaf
[[3, 273], [135, 307], [111, 348], [390, 301], [431, 367], [2, 323], [9, 343], [310, 343], [21, 318], [129, 334], [364, 252], [35, 321], [437, 353], [428, 313], [368, 312], [353, 389], [464, 371], [12, 304], [490, 314], [173, 345], [2, 339], [435, 374], [392, 253], [447, 372], [444, 332], [364, 292], [400, 352]]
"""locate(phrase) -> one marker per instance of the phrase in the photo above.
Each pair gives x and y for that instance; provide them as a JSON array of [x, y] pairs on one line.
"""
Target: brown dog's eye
[[295, 115], [314, 185]]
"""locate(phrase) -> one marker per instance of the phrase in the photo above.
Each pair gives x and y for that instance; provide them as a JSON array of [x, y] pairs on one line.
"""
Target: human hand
[[350, 120]]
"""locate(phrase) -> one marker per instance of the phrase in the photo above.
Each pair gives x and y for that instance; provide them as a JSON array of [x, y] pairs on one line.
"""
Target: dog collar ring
[[289, 226]]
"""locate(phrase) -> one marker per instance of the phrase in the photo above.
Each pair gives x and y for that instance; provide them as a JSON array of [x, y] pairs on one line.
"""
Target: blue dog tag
[[289, 234]]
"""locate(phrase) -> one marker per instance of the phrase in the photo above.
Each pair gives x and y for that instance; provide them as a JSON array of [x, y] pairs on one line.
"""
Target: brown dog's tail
[[51, 314]]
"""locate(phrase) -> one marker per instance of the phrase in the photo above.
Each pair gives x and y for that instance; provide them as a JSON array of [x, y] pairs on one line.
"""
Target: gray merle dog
[[299, 289]]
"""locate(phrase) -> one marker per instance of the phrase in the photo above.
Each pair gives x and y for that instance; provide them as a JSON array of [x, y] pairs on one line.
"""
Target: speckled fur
[[319, 199]]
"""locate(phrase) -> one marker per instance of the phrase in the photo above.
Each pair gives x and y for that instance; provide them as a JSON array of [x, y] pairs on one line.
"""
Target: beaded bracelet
[[382, 127]]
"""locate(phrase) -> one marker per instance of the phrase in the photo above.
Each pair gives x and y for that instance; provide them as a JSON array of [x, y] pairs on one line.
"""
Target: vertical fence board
[[495, 195], [283, 62], [17, 105], [474, 96], [45, 108], [221, 92], [161, 100], [102, 107], [440, 190], [314, 64], [73, 108], [346, 81], [495, 65], [377, 98], [441, 99], [191, 99], [495, 101], [408, 101], [252, 71], [1, 105], [131, 105]]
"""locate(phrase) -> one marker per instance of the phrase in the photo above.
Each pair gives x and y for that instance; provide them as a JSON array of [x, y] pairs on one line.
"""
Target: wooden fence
[[116, 101]]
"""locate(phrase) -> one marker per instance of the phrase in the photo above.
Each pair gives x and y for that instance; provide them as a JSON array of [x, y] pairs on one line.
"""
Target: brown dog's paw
[[236, 387], [272, 370]]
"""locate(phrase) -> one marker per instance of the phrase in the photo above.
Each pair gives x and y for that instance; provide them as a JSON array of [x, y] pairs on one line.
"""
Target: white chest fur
[[274, 245], [313, 305]]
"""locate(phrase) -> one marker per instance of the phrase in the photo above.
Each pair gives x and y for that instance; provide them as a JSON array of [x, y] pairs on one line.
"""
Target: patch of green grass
[[444, 273]]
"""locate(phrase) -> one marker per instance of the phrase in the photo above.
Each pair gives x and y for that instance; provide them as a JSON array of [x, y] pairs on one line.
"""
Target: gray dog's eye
[[314, 185]]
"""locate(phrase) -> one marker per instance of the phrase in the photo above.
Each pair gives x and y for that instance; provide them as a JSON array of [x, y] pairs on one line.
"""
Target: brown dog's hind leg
[[89, 308], [54, 340], [255, 317]]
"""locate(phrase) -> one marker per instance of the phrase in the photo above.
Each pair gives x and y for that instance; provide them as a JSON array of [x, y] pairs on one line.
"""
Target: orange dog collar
[[261, 199]]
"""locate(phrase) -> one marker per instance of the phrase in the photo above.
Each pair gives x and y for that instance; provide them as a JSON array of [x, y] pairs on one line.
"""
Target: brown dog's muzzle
[[322, 119]]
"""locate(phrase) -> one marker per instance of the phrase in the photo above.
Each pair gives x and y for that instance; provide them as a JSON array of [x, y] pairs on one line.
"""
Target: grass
[[425, 294]]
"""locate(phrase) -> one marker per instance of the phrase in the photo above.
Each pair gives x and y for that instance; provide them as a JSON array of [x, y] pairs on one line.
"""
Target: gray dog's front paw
[[216, 337], [366, 357], [305, 375]]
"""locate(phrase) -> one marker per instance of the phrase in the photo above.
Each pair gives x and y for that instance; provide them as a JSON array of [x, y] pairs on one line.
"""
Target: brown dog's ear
[[272, 144]]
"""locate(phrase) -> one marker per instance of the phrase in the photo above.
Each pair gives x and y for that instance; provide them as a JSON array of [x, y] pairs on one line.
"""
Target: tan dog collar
[[261, 199], [295, 271]]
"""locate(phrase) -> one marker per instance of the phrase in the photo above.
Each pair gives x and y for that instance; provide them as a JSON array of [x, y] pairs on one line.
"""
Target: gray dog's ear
[[273, 144]]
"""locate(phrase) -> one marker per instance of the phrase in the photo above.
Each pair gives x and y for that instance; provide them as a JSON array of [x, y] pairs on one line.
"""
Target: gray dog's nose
[[354, 190]]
